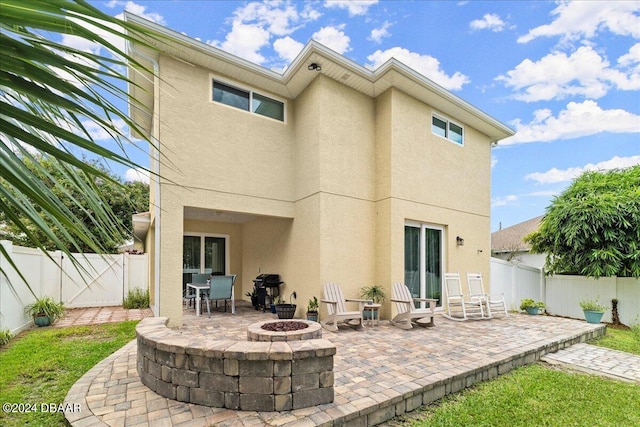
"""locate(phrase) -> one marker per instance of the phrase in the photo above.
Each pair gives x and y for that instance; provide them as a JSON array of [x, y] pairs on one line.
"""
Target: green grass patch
[[538, 396], [41, 365], [623, 339], [136, 298]]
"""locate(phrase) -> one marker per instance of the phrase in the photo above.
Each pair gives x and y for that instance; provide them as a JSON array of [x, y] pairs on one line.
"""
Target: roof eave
[[297, 77]]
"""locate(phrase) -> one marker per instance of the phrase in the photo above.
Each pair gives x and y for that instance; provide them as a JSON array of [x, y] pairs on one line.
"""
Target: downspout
[[155, 167]]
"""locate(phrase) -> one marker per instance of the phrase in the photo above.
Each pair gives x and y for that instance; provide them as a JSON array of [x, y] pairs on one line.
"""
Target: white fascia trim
[[312, 47]]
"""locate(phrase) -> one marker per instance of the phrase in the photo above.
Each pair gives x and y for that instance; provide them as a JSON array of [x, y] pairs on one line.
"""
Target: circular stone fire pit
[[284, 330]]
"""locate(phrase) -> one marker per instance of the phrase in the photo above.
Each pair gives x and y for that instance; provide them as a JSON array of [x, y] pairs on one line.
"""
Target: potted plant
[[375, 294], [45, 311], [286, 311], [254, 298], [312, 309], [276, 300], [531, 306], [593, 310]]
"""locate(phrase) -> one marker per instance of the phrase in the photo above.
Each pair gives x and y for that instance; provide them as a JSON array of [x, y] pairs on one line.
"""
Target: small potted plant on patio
[[375, 294], [44, 311], [286, 311], [593, 310], [531, 306], [312, 309], [254, 298]]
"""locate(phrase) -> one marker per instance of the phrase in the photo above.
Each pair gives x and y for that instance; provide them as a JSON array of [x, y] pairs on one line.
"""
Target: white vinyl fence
[[105, 281], [562, 294]]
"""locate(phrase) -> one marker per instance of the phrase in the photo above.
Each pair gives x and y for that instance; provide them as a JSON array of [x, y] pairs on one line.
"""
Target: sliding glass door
[[204, 254], [423, 260]]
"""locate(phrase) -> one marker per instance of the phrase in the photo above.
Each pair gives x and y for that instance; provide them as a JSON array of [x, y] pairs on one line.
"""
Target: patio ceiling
[[200, 214]]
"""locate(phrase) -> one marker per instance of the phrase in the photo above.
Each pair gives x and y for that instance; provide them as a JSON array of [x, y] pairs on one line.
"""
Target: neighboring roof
[[140, 223], [297, 77], [510, 239]]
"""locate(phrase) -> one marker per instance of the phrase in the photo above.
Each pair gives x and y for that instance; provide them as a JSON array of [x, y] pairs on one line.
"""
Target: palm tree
[[50, 94]]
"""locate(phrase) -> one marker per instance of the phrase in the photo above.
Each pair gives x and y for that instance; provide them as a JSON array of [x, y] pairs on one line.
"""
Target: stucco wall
[[427, 179], [331, 189], [218, 147]]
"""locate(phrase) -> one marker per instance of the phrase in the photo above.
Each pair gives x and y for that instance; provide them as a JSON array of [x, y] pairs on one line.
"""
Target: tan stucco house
[[328, 171]]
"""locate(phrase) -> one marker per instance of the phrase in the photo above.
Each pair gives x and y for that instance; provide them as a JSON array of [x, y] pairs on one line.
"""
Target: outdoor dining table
[[198, 287]]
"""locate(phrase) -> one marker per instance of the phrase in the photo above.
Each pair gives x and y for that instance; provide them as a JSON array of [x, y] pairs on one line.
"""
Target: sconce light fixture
[[459, 241], [314, 67]]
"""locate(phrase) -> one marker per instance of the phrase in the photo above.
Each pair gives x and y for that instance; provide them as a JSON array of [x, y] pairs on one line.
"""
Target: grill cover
[[267, 280]]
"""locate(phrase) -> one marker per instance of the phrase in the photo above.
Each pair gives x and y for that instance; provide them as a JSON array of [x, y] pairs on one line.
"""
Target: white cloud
[[489, 21], [556, 76], [333, 38], [576, 19], [287, 48], [254, 23], [377, 34], [355, 7], [245, 41], [632, 58], [503, 201], [577, 120], [278, 19], [138, 9], [562, 175], [136, 175], [494, 161], [97, 132], [424, 64]]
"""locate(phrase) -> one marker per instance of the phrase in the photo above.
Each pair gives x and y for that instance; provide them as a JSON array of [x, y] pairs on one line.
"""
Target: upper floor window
[[248, 100], [447, 129]]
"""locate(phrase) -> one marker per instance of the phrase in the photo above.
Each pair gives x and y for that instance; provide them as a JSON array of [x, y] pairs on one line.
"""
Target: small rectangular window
[[248, 100], [439, 127], [229, 95], [267, 107], [447, 129], [455, 133]]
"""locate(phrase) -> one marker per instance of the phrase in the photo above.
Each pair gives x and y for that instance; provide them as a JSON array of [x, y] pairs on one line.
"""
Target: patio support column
[[170, 298]]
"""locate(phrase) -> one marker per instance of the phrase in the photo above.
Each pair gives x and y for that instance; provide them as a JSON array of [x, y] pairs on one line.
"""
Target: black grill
[[263, 282]]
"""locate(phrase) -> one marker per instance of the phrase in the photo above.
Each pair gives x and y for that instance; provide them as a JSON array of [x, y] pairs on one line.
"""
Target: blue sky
[[564, 75]]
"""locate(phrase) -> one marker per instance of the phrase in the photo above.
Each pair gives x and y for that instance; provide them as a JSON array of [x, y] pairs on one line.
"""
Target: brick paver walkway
[[379, 371], [98, 315], [598, 360]]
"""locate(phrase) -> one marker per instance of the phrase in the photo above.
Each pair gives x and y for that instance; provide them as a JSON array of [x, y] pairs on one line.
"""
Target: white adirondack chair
[[494, 304], [407, 311], [459, 308], [336, 308]]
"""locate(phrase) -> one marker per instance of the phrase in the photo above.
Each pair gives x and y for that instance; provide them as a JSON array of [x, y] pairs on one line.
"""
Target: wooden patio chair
[[407, 311], [336, 308], [494, 303], [459, 308], [221, 288]]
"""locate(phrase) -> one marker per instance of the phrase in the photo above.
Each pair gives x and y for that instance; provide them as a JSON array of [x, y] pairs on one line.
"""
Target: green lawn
[[627, 340], [543, 396], [40, 366]]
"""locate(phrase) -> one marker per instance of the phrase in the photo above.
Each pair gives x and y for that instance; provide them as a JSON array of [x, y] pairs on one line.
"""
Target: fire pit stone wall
[[239, 375]]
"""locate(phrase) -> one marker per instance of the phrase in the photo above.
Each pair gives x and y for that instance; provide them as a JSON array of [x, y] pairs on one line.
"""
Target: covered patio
[[379, 371]]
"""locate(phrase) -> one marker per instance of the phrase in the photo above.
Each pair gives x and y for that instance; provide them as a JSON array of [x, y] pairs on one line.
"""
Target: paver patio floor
[[379, 372]]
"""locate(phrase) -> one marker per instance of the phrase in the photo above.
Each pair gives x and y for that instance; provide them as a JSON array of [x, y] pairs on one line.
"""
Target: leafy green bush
[[5, 336], [136, 298]]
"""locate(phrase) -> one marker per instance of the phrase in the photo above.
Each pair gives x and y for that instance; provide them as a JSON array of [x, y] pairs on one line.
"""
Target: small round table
[[374, 314]]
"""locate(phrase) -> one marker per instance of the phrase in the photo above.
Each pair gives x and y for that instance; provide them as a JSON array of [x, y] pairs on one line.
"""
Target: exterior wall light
[[459, 241], [314, 67]]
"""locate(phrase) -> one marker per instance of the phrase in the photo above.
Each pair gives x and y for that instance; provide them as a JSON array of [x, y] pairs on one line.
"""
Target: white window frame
[[250, 91], [202, 236], [447, 129]]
